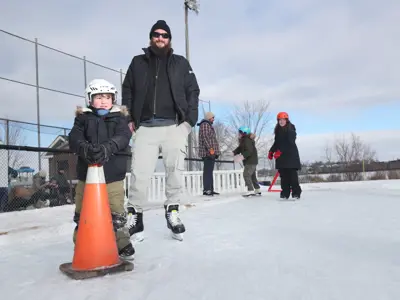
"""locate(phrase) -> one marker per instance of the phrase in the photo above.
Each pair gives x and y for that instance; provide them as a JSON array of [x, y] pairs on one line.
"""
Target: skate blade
[[138, 237], [177, 236]]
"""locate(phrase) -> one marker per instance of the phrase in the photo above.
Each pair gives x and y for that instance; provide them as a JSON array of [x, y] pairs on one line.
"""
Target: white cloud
[[304, 54], [337, 55], [385, 142]]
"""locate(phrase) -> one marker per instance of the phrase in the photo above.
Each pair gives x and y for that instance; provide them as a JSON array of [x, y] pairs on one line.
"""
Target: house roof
[[60, 143]]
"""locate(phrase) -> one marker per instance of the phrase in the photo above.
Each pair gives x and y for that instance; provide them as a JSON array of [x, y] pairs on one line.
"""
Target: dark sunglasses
[[163, 35]]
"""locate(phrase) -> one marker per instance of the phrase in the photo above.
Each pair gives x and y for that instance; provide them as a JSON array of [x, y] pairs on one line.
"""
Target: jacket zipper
[[155, 85], [98, 135], [173, 94]]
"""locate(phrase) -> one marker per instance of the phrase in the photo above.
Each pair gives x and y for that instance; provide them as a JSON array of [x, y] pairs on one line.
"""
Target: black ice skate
[[208, 193], [127, 253], [249, 194], [135, 224], [174, 223], [283, 196]]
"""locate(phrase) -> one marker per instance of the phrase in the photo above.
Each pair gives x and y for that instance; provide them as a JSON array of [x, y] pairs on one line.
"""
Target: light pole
[[194, 6]]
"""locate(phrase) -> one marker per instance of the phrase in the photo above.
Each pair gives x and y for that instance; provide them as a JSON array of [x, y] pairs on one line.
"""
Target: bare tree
[[256, 116], [12, 136], [223, 138], [328, 156], [350, 154]]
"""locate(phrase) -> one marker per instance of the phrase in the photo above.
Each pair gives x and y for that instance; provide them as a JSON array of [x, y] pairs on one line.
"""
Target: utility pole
[[194, 6]]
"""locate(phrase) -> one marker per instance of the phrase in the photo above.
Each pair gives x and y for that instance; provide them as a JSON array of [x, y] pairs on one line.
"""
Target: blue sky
[[333, 65], [377, 117]]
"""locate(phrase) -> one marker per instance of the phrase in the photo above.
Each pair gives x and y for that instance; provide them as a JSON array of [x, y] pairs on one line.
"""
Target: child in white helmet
[[101, 135]]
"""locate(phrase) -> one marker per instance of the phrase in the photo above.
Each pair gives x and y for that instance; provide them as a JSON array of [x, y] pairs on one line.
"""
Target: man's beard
[[160, 51]]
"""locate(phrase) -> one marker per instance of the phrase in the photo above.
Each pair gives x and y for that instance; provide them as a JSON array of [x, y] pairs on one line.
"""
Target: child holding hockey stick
[[287, 157]]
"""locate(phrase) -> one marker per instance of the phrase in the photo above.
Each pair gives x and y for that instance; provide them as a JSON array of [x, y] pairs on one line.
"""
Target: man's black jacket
[[184, 87]]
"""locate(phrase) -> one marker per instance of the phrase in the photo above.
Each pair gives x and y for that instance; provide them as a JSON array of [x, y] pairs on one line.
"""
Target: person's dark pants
[[208, 169], [289, 181]]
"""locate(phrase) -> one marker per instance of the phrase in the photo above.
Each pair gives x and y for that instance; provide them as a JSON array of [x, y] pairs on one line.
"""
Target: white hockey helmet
[[100, 86]]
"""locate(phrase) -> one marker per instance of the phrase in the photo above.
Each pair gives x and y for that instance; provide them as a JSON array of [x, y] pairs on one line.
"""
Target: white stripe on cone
[[95, 174]]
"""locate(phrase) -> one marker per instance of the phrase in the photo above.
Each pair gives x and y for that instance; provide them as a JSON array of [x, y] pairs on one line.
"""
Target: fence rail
[[25, 184], [43, 67]]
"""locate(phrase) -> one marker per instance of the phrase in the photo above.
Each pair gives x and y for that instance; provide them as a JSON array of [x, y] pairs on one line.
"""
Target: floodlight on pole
[[192, 5]]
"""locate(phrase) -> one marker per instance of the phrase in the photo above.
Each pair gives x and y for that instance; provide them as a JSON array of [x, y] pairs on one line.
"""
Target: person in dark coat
[[161, 92], [247, 147], [101, 135], [287, 157]]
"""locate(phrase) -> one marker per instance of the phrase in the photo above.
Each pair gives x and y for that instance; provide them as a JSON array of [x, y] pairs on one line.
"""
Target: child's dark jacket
[[285, 141], [94, 129], [247, 147]]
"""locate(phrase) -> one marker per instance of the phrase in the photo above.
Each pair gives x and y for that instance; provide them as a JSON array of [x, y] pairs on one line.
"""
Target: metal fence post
[[122, 81], [8, 140], [38, 98], [84, 72]]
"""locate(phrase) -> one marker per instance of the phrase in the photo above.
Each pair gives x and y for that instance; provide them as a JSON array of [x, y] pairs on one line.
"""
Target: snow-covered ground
[[340, 241]]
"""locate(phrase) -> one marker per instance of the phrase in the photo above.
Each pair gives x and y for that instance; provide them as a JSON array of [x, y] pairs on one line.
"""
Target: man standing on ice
[[208, 151], [162, 94]]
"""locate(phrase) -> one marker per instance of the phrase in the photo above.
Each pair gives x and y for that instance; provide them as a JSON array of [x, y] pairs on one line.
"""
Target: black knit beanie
[[161, 24]]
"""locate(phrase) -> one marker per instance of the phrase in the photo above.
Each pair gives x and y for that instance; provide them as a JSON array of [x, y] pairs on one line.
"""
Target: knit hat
[[161, 24], [209, 115]]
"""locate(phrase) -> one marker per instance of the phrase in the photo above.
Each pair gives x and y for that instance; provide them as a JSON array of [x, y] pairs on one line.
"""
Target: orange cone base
[[123, 266]]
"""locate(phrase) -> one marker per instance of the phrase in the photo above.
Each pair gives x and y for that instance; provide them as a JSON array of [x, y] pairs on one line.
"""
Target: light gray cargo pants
[[148, 142]]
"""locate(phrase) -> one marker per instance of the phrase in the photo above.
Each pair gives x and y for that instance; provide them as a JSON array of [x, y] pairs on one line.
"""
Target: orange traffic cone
[[96, 252]]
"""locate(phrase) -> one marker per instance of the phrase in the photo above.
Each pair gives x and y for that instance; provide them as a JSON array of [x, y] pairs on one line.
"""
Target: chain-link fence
[[27, 186], [43, 84]]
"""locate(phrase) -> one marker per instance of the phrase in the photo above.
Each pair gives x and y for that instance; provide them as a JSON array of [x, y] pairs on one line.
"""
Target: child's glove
[[238, 158], [102, 153], [86, 153], [270, 155], [277, 154]]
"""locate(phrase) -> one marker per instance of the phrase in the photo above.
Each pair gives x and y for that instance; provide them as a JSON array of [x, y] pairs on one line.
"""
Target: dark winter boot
[[208, 193], [296, 192], [174, 222], [128, 252], [283, 196], [135, 224]]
